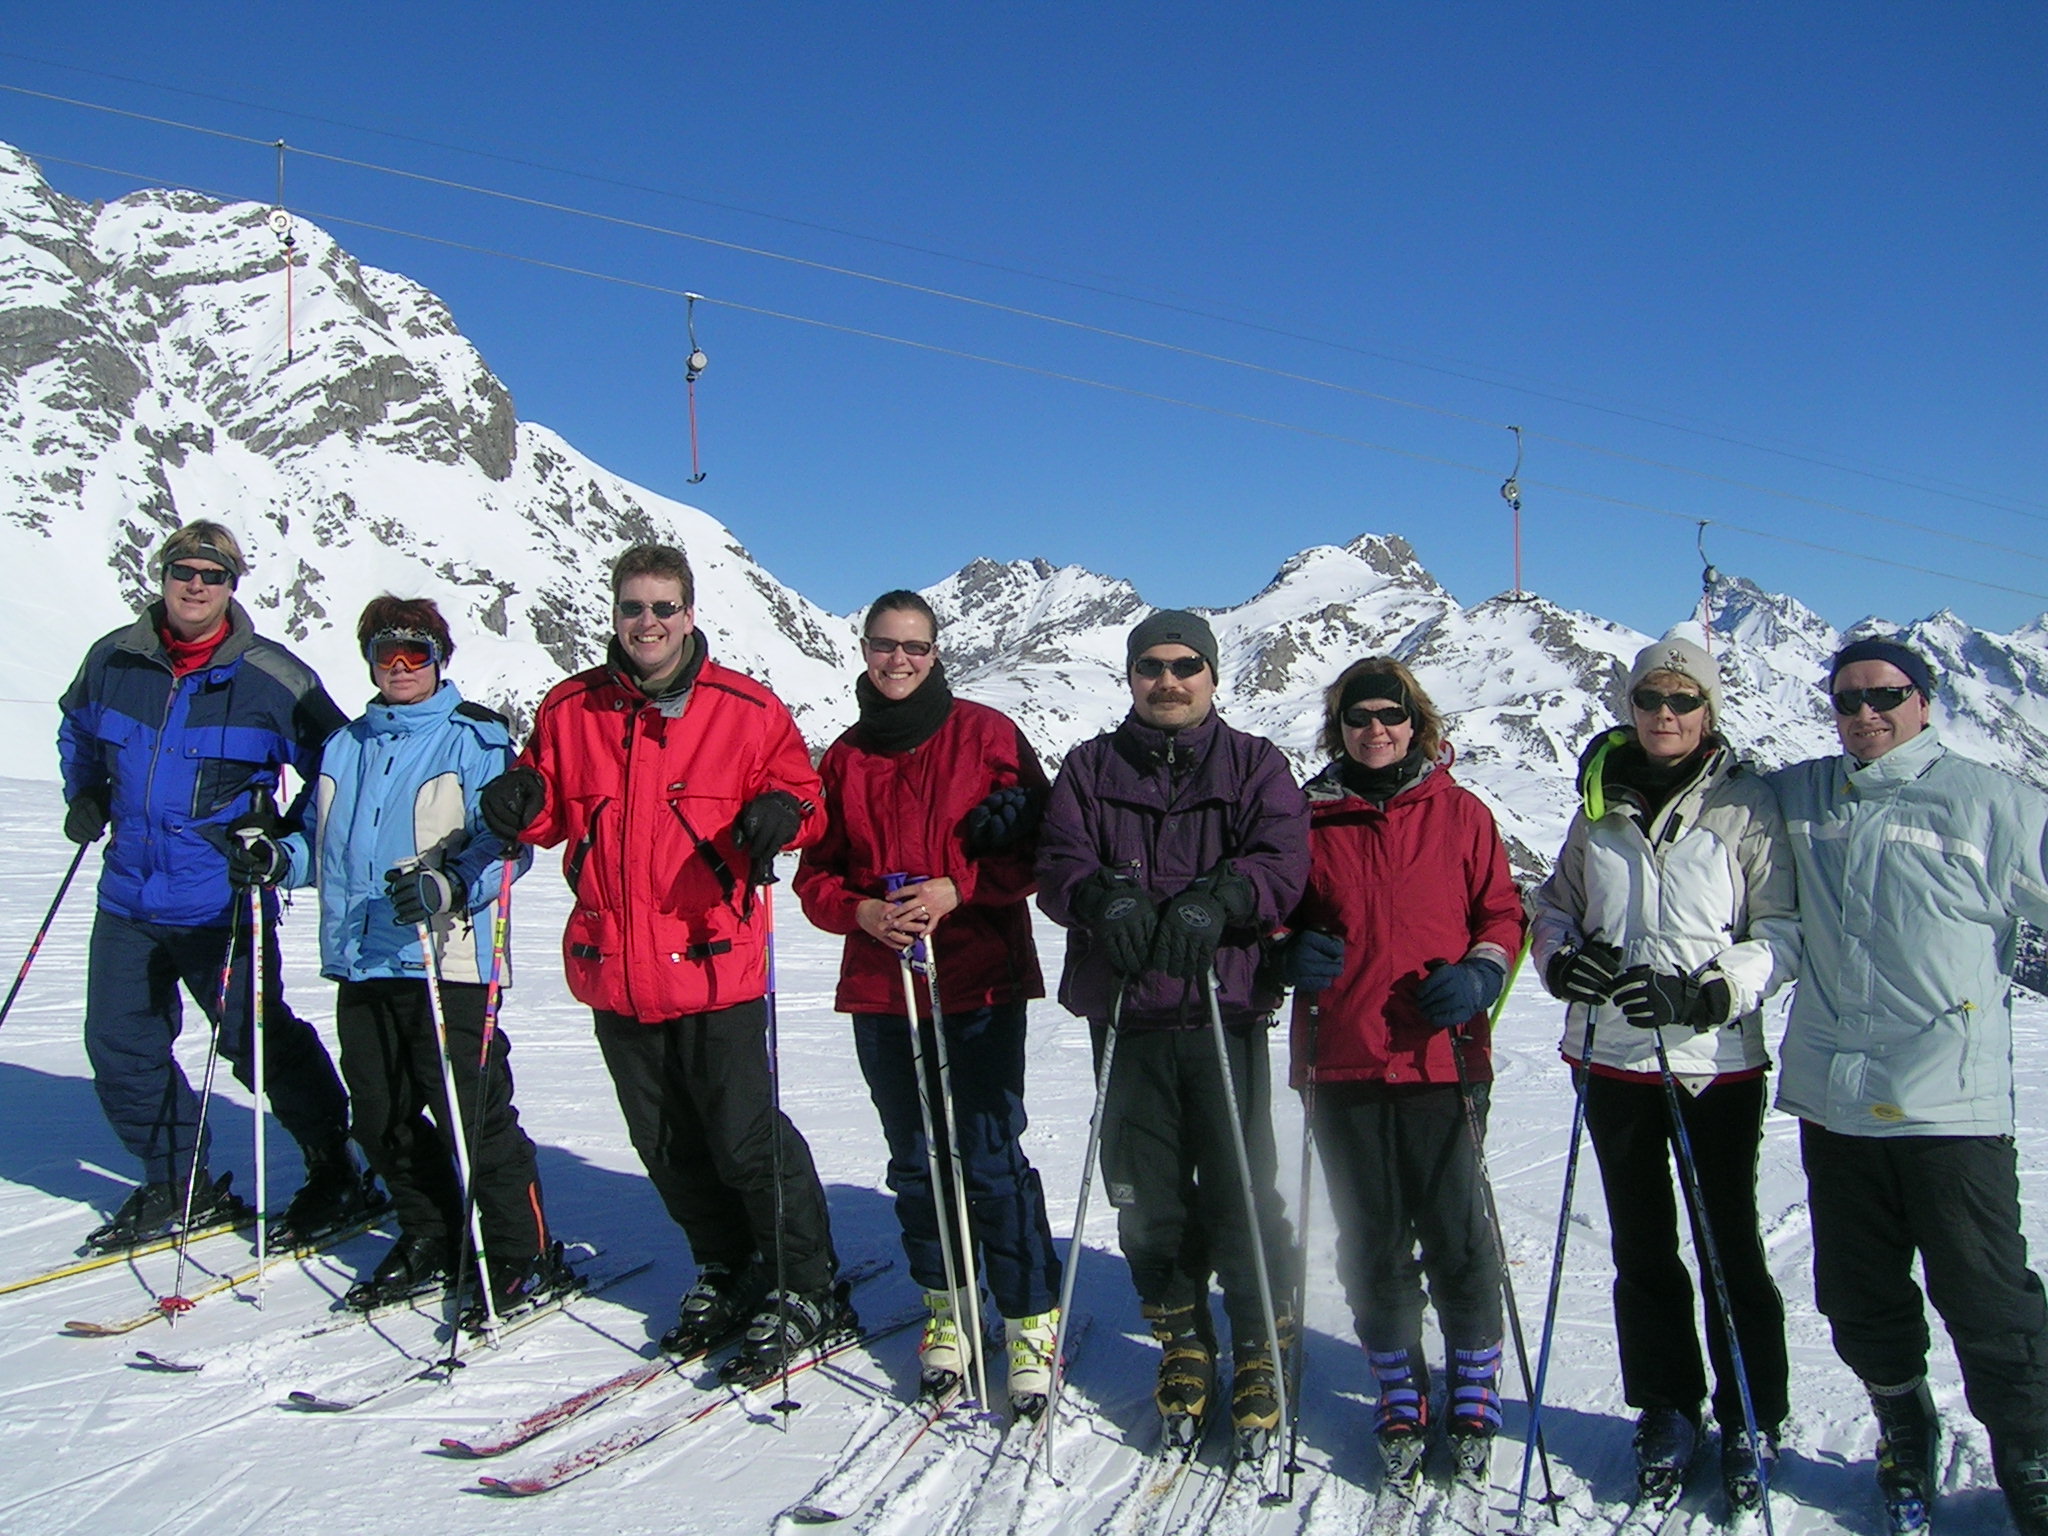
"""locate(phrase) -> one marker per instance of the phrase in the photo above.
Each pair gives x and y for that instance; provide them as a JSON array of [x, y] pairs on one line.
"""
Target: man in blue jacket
[[174, 732], [1915, 866]]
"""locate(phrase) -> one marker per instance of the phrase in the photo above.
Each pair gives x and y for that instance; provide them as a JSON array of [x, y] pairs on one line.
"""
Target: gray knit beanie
[[1173, 626]]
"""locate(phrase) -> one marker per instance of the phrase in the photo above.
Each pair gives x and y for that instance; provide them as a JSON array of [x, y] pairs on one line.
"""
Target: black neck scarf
[[897, 725]]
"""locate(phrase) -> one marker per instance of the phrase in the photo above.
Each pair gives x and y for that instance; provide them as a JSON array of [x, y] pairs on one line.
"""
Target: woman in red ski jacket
[[1402, 943], [944, 794]]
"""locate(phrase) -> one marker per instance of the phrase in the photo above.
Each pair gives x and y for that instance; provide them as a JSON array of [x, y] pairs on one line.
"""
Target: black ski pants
[[1404, 1186], [392, 1064], [696, 1096], [1005, 1204], [1954, 1200], [1630, 1123], [133, 1014], [1171, 1168]]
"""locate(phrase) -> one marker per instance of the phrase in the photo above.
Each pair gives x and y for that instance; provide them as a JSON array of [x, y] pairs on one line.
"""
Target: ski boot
[[945, 1352], [1473, 1418], [541, 1280], [412, 1266], [1665, 1441], [714, 1311], [158, 1210], [1031, 1341], [1400, 1424], [1254, 1400], [2023, 1476], [788, 1325], [1908, 1432], [335, 1195], [1748, 1467], [1187, 1369]]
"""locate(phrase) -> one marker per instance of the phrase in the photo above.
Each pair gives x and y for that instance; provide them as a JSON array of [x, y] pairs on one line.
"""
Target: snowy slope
[[89, 1444]]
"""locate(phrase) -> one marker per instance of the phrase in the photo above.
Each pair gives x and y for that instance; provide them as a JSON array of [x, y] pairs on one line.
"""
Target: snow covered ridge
[[144, 381]]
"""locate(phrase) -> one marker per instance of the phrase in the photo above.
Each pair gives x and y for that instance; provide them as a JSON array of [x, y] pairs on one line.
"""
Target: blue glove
[[1005, 818], [417, 894], [1311, 961], [1451, 994]]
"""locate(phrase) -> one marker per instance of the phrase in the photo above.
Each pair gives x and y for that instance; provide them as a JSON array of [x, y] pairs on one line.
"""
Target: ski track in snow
[[89, 1443]]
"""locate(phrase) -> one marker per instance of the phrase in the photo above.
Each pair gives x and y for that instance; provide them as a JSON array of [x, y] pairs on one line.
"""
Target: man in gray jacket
[[1915, 866]]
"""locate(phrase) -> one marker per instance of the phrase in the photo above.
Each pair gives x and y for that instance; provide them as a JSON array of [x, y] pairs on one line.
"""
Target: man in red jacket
[[675, 782]]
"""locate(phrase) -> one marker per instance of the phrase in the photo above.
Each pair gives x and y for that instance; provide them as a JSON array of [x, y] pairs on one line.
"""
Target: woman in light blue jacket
[[395, 843]]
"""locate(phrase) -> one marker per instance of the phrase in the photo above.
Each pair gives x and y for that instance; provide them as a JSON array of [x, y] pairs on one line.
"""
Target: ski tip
[[171, 1306], [148, 1360], [462, 1448], [309, 1402], [78, 1329], [511, 1487], [812, 1514]]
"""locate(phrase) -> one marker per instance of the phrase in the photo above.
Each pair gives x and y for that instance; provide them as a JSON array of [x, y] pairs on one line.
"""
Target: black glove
[[1451, 994], [511, 801], [1311, 961], [1662, 1000], [1120, 916], [1004, 819], [85, 818], [417, 894], [256, 858], [1585, 974], [766, 825], [1191, 924]]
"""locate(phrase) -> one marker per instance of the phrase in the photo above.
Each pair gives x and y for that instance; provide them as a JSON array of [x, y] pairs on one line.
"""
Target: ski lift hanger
[[693, 367]]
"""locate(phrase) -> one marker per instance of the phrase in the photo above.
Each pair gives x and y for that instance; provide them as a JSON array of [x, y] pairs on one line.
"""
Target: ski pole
[[1584, 1075], [1308, 1136], [473, 1231], [765, 878], [36, 943], [1712, 1252], [943, 1211], [176, 1302], [1500, 1248], [262, 1098], [1251, 1212], [501, 921], [963, 1216], [1073, 1266]]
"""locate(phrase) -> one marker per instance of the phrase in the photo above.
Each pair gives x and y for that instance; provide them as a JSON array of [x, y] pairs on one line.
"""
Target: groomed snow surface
[[87, 1443]]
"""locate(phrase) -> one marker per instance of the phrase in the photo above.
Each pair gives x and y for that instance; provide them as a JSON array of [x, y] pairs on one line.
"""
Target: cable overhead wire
[[1037, 371], [1042, 317], [1491, 378]]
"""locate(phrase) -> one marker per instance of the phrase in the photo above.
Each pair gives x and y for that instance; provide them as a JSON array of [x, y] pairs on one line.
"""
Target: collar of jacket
[[675, 698], [144, 637], [1328, 788], [382, 719], [1896, 769], [1179, 753]]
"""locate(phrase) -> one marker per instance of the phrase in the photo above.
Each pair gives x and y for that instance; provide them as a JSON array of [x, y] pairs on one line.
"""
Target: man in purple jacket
[[1171, 845]]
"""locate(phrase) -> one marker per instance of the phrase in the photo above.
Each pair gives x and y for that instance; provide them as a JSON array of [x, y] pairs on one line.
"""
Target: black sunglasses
[[1359, 716], [1649, 701], [1182, 667], [632, 608], [212, 575], [882, 646], [1850, 701]]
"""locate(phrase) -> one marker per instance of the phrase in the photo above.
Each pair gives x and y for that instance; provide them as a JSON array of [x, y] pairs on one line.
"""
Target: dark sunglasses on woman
[[886, 647], [1649, 701]]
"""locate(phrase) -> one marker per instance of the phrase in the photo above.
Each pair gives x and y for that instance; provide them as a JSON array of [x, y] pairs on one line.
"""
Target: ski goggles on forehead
[[1182, 667], [1850, 701], [1649, 701], [1359, 716], [632, 608], [181, 573], [403, 651]]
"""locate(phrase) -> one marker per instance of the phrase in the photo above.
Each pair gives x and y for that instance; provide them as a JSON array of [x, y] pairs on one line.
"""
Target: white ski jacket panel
[[1913, 873], [1705, 889]]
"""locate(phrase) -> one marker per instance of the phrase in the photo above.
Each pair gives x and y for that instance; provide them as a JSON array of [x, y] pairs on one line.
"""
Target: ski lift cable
[[1106, 332], [1129, 391], [1714, 432]]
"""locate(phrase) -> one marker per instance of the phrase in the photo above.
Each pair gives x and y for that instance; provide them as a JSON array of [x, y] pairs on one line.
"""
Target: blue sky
[[1808, 234]]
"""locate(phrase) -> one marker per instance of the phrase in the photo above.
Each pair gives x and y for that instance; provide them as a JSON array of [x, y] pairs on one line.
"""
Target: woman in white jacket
[[1672, 911]]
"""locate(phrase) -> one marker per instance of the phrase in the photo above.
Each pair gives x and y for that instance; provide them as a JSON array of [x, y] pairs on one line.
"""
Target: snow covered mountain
[[145, 379]]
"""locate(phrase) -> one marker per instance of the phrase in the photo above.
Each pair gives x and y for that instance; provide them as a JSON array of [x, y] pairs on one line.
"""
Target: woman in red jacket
[[945, 793], [1402, 942]]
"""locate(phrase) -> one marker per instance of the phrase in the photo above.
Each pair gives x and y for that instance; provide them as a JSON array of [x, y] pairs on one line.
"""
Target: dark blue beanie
[[1918, 673]]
